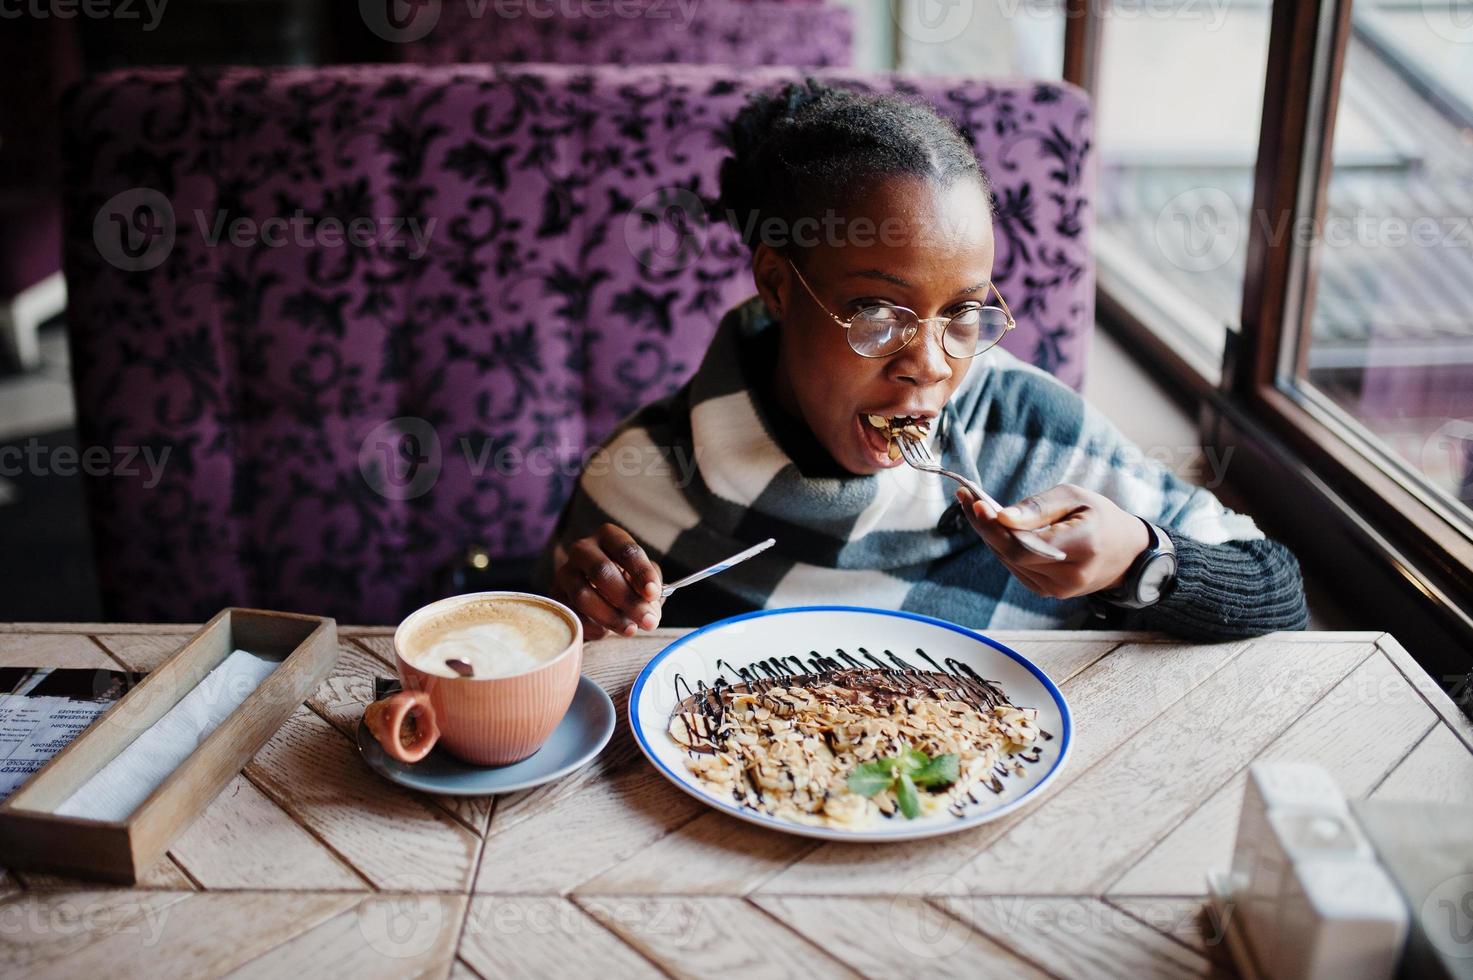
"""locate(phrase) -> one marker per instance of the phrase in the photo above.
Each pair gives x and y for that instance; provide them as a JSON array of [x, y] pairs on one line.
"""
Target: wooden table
[[309, 864]]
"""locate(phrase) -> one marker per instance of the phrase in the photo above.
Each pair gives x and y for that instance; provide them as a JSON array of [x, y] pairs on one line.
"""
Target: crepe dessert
[[843, 742]]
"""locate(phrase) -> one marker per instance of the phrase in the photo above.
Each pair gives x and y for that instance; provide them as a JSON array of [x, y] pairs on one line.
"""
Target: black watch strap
[[1128, 595]]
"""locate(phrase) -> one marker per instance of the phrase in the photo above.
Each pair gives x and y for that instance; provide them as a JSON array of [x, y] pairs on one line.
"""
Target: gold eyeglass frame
[[920, 321]]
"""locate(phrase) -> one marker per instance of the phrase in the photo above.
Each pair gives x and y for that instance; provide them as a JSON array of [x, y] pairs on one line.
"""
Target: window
[[1330, 281], [986, 38], [1179, 93], [1389, 345]]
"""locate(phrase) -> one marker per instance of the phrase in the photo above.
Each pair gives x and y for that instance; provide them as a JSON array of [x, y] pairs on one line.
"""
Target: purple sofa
[[714, 32], [343, 415], [42, 58]]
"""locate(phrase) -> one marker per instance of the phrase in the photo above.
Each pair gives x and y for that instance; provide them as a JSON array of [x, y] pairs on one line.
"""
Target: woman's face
[[907, 242]]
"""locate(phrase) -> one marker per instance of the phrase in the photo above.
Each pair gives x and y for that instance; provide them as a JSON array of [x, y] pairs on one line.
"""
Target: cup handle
[[385, 719]]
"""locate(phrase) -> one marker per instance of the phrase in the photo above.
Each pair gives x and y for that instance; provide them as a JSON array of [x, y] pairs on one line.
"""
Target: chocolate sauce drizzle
[[884, 680]]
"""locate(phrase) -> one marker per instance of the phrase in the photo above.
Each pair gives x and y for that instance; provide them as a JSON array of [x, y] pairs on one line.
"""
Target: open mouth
[[884, 432]]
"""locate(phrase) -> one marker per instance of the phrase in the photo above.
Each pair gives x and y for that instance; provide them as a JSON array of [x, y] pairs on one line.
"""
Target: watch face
[[1158, 571]]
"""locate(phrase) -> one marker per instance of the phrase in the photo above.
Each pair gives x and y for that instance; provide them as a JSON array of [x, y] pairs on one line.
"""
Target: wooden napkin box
[[35, 837]]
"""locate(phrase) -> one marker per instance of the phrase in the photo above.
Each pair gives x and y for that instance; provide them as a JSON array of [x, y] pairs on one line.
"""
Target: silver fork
[[918, 455]]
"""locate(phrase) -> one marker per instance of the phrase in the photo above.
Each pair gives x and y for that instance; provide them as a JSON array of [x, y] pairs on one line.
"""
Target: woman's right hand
[[608, 580]]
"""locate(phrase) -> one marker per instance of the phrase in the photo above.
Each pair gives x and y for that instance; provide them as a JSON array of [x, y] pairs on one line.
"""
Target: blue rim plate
[[742, 640], [577, 740]]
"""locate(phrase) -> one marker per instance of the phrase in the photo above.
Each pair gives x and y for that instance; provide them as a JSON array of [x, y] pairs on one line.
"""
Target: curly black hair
[[809, 147]]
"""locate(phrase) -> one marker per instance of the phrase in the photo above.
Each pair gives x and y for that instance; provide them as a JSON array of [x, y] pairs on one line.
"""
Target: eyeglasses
[[882, 330]]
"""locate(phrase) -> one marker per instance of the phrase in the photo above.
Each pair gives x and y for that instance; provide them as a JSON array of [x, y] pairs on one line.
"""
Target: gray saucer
[[577, 739]]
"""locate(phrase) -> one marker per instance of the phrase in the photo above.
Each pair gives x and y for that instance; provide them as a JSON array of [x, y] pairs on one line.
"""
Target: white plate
[[743, 640]]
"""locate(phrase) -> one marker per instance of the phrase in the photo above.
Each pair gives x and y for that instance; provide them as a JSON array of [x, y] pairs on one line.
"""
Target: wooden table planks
[[308, 861]]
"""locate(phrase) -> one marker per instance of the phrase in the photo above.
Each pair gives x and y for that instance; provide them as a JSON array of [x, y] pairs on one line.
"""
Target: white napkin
[[117, 788]]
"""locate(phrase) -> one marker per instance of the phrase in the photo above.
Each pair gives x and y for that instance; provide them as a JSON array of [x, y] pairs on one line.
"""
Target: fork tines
[[916, 452]]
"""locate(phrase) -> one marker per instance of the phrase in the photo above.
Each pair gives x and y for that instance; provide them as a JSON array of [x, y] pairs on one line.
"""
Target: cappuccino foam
[[497, 637]]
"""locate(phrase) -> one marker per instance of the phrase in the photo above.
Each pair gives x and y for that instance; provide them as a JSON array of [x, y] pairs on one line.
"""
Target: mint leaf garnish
[[870, 778], [903, 773], [905, 795], [912, 761], [940, 771]]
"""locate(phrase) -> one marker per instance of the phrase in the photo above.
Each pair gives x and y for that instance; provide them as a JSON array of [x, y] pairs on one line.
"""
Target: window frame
[[1424, 543]]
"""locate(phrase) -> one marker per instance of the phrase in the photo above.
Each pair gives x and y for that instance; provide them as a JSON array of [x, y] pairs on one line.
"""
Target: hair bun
[[764, 111], [750, 132], [804, 147]]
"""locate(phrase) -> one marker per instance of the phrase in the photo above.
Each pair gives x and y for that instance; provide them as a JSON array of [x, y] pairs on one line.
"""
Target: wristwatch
[[1148, 576]]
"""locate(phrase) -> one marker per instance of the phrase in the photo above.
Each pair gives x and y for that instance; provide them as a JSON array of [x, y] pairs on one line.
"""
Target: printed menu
[[42, 709]]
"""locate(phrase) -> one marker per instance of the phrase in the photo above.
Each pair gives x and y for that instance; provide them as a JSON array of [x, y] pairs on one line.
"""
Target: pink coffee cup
[[486, 721]]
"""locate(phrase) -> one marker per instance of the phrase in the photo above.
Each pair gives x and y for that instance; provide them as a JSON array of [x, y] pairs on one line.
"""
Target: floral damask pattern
[[343, 414]]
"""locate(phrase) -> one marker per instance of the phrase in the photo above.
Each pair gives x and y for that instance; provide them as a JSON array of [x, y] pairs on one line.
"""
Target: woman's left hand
[[1100, 540]]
